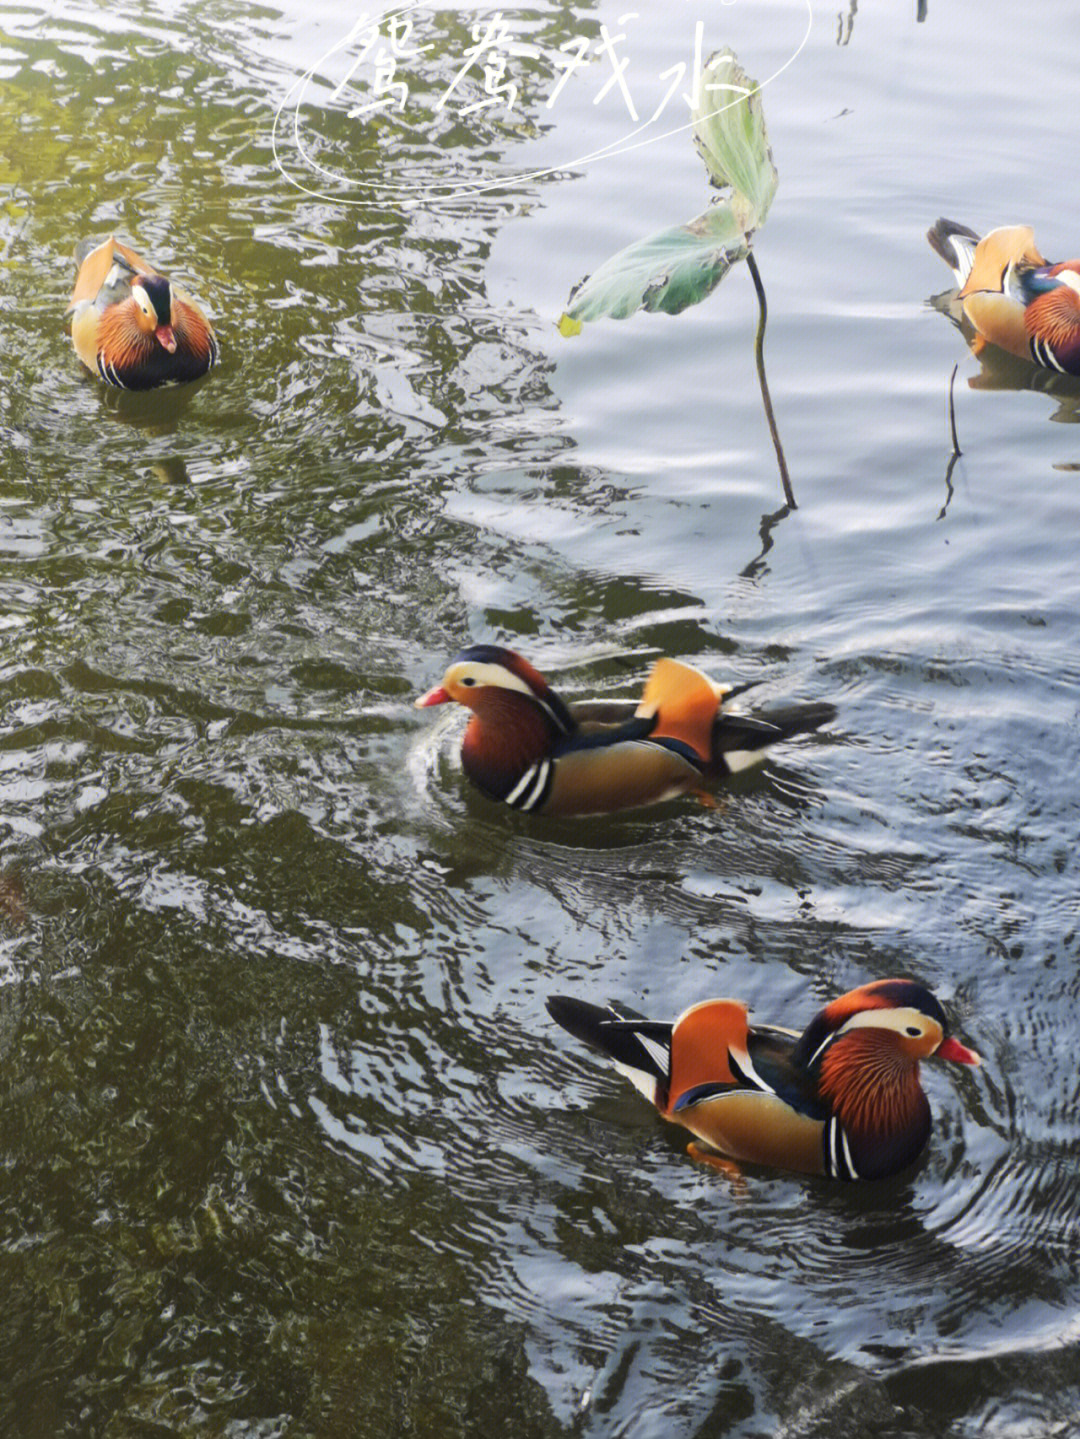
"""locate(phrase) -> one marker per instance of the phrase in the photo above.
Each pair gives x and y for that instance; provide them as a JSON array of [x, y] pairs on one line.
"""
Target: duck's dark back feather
[[771, 1052], [613, 1030]]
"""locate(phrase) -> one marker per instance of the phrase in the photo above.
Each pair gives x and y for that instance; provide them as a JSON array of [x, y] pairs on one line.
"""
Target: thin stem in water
[[759, 355]]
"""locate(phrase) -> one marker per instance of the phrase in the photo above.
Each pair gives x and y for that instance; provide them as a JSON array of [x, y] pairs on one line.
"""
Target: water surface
[[290, 1145]]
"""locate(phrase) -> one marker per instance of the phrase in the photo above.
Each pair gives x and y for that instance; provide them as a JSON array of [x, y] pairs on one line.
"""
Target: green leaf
[[729, 132], [667, 271], [679, 267]]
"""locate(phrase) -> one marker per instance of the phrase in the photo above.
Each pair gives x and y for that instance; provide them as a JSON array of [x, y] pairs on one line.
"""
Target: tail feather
[[956, 246], [799, 718], [638, 1048], [743, 732], [754, 731]]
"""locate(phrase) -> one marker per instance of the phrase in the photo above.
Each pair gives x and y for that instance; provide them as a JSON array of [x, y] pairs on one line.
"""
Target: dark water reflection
[[288, 1143]]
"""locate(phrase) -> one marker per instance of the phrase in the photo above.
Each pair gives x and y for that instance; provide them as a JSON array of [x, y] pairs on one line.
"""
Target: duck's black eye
[[913, 1031], [467, 680]]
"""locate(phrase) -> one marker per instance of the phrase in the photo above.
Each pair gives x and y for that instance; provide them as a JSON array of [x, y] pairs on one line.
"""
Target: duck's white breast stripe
[[839, 1163], [522, 785], [540, 788], [530, 788], [853, 1173], [107, 371], [1045, 356]]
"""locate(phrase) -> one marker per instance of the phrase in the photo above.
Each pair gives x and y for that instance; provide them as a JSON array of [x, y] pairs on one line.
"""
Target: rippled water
[[290, 1145]]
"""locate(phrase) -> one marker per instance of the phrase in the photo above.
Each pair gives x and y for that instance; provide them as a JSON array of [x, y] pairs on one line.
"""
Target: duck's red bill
[[166, 338], [437, 696], [959, 1053]]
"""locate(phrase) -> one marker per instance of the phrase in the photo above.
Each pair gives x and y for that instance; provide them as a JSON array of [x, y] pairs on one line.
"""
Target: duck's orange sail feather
[[701, 1040], [996, 252], [685, 703], [94, 270]]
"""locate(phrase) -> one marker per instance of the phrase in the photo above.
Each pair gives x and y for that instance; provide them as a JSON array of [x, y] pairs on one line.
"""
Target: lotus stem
[[759, 356]]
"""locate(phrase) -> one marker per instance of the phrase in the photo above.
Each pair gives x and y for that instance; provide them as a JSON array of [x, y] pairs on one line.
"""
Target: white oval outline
[[447, 190]]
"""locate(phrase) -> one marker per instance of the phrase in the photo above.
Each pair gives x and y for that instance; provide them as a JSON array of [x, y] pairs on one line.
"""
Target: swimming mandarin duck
[[842, 1099], [1012, 296], [131, 325], [529, 748]]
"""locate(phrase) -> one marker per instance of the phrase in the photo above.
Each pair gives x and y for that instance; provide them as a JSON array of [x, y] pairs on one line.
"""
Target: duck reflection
[[157, 412], [13, 910], [998, 370]]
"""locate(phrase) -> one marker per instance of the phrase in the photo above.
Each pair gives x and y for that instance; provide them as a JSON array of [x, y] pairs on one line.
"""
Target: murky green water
[[289, 1144]]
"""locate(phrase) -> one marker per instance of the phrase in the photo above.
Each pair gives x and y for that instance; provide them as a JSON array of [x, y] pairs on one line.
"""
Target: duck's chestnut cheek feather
[[960, 1054], [437, 696]]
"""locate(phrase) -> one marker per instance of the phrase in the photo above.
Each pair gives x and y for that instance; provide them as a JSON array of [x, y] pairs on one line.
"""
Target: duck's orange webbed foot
[[707, 799], [718, 1161]]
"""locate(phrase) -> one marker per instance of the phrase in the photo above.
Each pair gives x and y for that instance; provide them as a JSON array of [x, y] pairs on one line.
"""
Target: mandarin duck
[[842, 1099], [1011, 296], [131, 325], [529, 748]]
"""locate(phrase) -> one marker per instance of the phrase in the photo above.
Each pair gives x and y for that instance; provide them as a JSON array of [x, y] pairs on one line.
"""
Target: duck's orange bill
[[437, 696], [959, 1053]]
